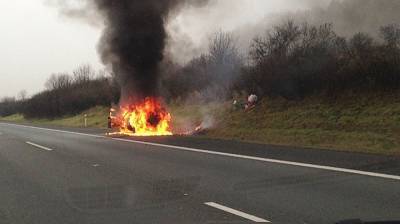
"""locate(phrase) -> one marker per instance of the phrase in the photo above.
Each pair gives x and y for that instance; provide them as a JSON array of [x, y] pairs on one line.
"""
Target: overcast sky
[[36, 41]]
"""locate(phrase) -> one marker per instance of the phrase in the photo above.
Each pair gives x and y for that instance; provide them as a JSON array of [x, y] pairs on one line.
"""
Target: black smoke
[[133, 40]]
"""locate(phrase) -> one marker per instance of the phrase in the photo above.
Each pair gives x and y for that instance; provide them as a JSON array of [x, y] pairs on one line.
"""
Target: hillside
[[96, 118], [363, 124]]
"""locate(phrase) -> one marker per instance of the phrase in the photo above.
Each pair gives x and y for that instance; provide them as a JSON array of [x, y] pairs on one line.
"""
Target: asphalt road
[[49, 176]]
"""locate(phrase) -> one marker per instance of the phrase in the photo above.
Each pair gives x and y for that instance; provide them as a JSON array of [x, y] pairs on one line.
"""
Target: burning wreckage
[[147, 118]]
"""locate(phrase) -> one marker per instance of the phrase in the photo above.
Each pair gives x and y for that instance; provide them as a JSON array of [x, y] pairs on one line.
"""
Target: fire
[[147, 118]]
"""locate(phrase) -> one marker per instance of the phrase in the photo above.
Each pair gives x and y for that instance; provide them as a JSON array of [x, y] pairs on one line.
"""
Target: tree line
[[290, 60], [295, 61], [65, 94]]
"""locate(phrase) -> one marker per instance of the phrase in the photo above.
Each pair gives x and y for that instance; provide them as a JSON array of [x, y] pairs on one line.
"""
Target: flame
[[147, 118]]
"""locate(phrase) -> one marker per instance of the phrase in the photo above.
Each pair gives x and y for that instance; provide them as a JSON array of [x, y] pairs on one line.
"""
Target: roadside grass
[[188, 117], [365, 123], [369, 124], [13, 118], [96, 118]]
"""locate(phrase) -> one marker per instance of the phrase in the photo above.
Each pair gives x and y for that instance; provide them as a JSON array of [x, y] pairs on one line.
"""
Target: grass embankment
[[363, 124], [96, 117]]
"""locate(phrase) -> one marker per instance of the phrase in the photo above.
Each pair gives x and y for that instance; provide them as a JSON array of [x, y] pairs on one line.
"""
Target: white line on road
[[306, 165], [39, 146], [236, 212], [55, 130]]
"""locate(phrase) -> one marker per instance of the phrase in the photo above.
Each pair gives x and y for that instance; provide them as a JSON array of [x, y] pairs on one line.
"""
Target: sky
[[37, 41]]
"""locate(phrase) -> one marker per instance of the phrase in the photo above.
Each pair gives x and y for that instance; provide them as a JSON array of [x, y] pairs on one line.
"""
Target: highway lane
[[89, 179]]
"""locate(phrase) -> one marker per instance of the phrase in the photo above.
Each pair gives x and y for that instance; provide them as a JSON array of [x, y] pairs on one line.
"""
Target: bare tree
[[83, 74], [280, 42], [8, 106], [222, 48], [7, 100], [224, 64], [361, 42], [21, 96], [391, 34], [258, 49], [223, 55], [58, 81]]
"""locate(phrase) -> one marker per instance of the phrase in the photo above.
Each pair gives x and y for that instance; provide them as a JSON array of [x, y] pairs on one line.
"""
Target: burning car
[[146, 118]]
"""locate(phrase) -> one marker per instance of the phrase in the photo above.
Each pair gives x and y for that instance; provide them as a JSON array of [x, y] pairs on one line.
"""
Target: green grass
[[13, 118], [96, 118], [369, 124]]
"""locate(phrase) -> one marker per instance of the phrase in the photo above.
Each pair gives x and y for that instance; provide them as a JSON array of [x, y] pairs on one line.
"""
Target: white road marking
[[55, 130], [307, 165], [39, 146], [283, 162], [236, 212]]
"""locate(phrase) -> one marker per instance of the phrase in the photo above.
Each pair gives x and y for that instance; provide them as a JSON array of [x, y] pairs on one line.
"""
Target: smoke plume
[[133, 40], [247, 19], [348, 17], [351, 16]]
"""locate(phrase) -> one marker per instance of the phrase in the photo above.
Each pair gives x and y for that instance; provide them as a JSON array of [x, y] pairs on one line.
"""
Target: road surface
[[54, 175]]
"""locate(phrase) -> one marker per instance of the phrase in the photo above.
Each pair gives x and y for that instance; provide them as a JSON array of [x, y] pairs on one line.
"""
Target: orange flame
[[148, 118]]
